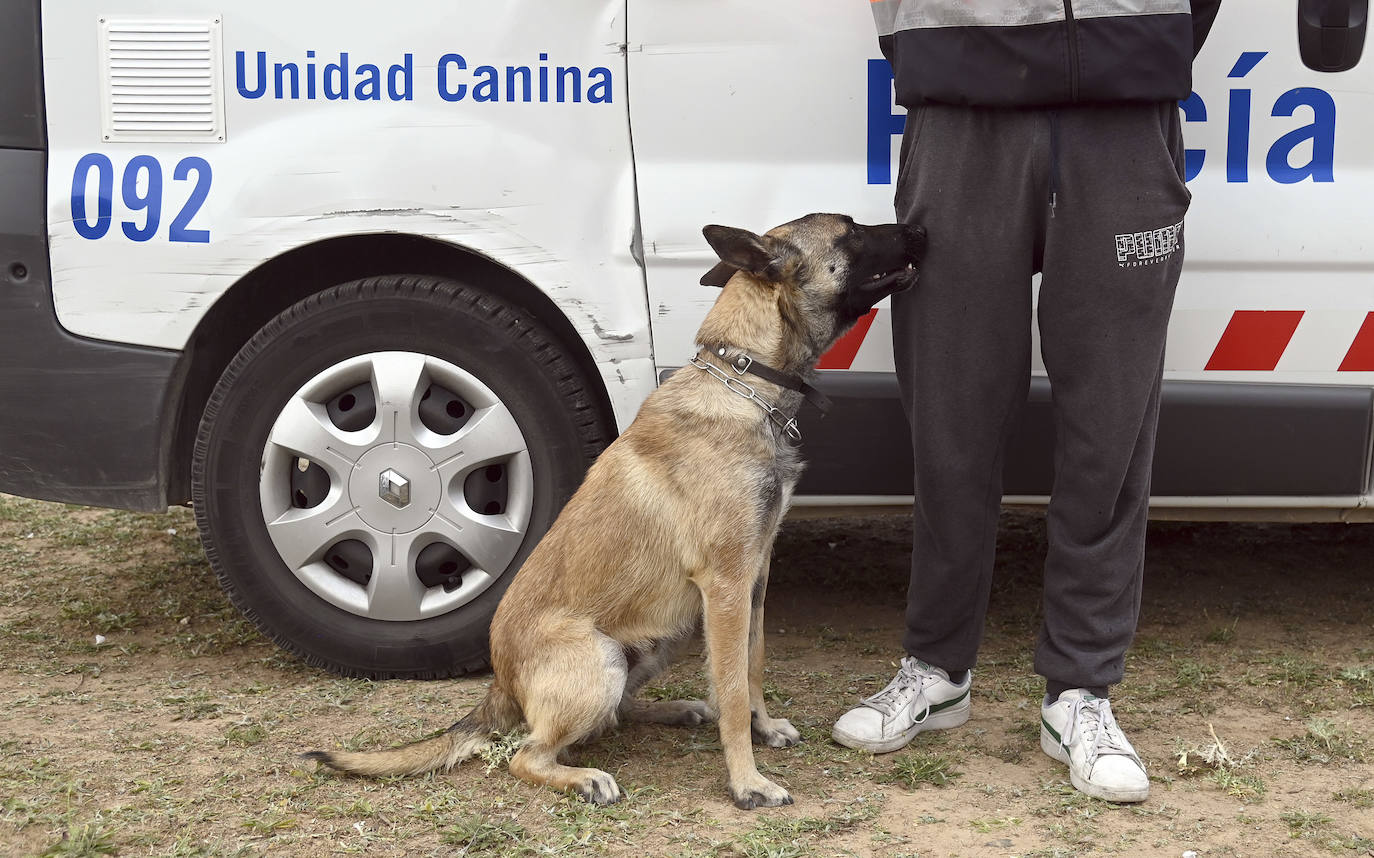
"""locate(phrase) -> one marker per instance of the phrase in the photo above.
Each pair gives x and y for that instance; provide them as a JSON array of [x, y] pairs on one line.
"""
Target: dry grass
[[1249, 693]]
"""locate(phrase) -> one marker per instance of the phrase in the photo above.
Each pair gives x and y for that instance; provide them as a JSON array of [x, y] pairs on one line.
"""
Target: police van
[[370, 286]]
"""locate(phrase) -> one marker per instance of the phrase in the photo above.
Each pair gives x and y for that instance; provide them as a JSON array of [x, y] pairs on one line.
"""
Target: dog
[[674, 525]]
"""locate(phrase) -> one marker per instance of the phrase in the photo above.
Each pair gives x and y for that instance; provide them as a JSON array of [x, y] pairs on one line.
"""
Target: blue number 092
[[149, 201]]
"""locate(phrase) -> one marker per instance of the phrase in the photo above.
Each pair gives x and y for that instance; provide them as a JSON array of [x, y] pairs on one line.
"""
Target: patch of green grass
[[97, 617], [1223, 634], [1325, 742], [1355, 797], [792, 837], [1360, 681], [1194, 676], [358, 808], [83, 841], [476, 835], [674, 690], [1247, 787], [1304, 823], [1356, 843], [922, 767], [1297, 671], [269, 823], [246, 735]]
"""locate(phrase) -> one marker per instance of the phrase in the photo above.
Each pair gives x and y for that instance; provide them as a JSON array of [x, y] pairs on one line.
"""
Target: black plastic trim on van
[[1215, 439], [21, 76], [80, 420]]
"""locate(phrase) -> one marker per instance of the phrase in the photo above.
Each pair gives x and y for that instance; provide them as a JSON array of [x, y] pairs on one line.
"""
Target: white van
[[371, 285]]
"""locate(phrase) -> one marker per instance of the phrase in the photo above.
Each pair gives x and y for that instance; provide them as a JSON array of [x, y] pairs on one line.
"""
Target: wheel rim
[[371, 478]]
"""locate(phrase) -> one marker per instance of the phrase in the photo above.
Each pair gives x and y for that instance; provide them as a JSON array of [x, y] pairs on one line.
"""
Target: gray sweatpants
[[1093, 197]]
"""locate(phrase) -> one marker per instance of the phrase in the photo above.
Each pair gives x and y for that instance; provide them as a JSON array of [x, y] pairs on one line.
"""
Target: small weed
[[920, 767], [1194, 676], [502, 748], [84, 841], [1324, 742], [478, 836], [1293, 670], [1215, 757], [269, 823], [1223, 634], [246, 735], [1356, 843], [1355, 797], [1360, 680], [1304, 823], [1247, 787], [784, 837]]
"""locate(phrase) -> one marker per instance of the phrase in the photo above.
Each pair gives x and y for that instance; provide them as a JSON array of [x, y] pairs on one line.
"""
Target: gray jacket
[[1041, 53]]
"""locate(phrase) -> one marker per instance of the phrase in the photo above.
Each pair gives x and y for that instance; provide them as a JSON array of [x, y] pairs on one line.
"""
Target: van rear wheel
[[376, 463]]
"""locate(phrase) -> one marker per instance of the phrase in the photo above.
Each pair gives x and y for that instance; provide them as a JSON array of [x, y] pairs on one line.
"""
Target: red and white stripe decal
[[846, 348], [1360, 357], [1254, 339], [1248, 341]]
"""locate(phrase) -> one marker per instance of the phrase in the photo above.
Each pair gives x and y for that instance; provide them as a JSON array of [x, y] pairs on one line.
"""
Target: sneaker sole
[[955, 716], [1121, 796]]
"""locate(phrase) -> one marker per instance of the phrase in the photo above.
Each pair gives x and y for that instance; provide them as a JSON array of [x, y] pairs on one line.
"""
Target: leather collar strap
[[744, 363]]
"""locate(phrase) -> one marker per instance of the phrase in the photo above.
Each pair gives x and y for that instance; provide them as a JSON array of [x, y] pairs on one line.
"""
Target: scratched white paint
[[544, 188]]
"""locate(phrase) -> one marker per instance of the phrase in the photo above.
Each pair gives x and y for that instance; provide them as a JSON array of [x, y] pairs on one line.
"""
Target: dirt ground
[[143, 717]]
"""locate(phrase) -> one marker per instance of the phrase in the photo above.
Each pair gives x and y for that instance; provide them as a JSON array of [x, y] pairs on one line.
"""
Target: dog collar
[[788, 425], [744, 363]]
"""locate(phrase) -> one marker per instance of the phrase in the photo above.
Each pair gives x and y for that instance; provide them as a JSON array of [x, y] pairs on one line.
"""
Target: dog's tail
[[497, 713]]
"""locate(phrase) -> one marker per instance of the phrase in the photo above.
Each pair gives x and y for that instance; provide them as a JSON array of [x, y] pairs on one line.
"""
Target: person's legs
[[961, 343], [1113, 254], [974, 179]]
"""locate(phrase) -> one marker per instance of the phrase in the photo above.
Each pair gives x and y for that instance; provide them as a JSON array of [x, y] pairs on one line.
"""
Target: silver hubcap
[[396, 486]]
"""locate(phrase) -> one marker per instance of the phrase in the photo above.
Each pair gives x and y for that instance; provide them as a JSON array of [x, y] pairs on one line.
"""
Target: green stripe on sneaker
[[931, 710], [1053, 732]]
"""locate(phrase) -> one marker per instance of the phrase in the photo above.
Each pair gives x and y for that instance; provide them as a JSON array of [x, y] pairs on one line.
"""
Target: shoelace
[[910, 680], [1100, 731]]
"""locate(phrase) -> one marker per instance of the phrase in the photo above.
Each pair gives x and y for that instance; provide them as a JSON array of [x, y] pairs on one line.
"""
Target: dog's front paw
[[759, 791], [598, 787], [774, 732]]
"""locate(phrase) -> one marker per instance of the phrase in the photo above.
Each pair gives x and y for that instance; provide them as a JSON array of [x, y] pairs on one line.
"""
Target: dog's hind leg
[[774, 732], [569, 698], [644, 666]]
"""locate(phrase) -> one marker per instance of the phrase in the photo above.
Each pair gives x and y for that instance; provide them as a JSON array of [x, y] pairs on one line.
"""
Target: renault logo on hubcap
[[394, 489]]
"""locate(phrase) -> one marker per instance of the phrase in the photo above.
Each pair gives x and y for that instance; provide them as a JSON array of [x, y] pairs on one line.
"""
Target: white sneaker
[[920, 697], [1078, 729]]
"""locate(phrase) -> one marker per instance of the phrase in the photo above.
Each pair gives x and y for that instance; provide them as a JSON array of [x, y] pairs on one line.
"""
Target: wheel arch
[[306, 270]]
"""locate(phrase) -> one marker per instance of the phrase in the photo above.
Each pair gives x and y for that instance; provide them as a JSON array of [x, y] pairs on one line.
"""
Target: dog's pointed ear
[[738, 247], [719, 275], [742, 250]]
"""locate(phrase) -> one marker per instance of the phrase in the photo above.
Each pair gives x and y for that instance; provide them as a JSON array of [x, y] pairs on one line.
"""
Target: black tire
[[520, 361]]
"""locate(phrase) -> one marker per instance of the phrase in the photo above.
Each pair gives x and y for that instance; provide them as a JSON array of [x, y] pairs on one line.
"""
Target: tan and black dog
[[675, 522]]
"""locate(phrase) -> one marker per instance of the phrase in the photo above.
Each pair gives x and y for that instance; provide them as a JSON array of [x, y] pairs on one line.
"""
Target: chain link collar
[[737, 385]]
